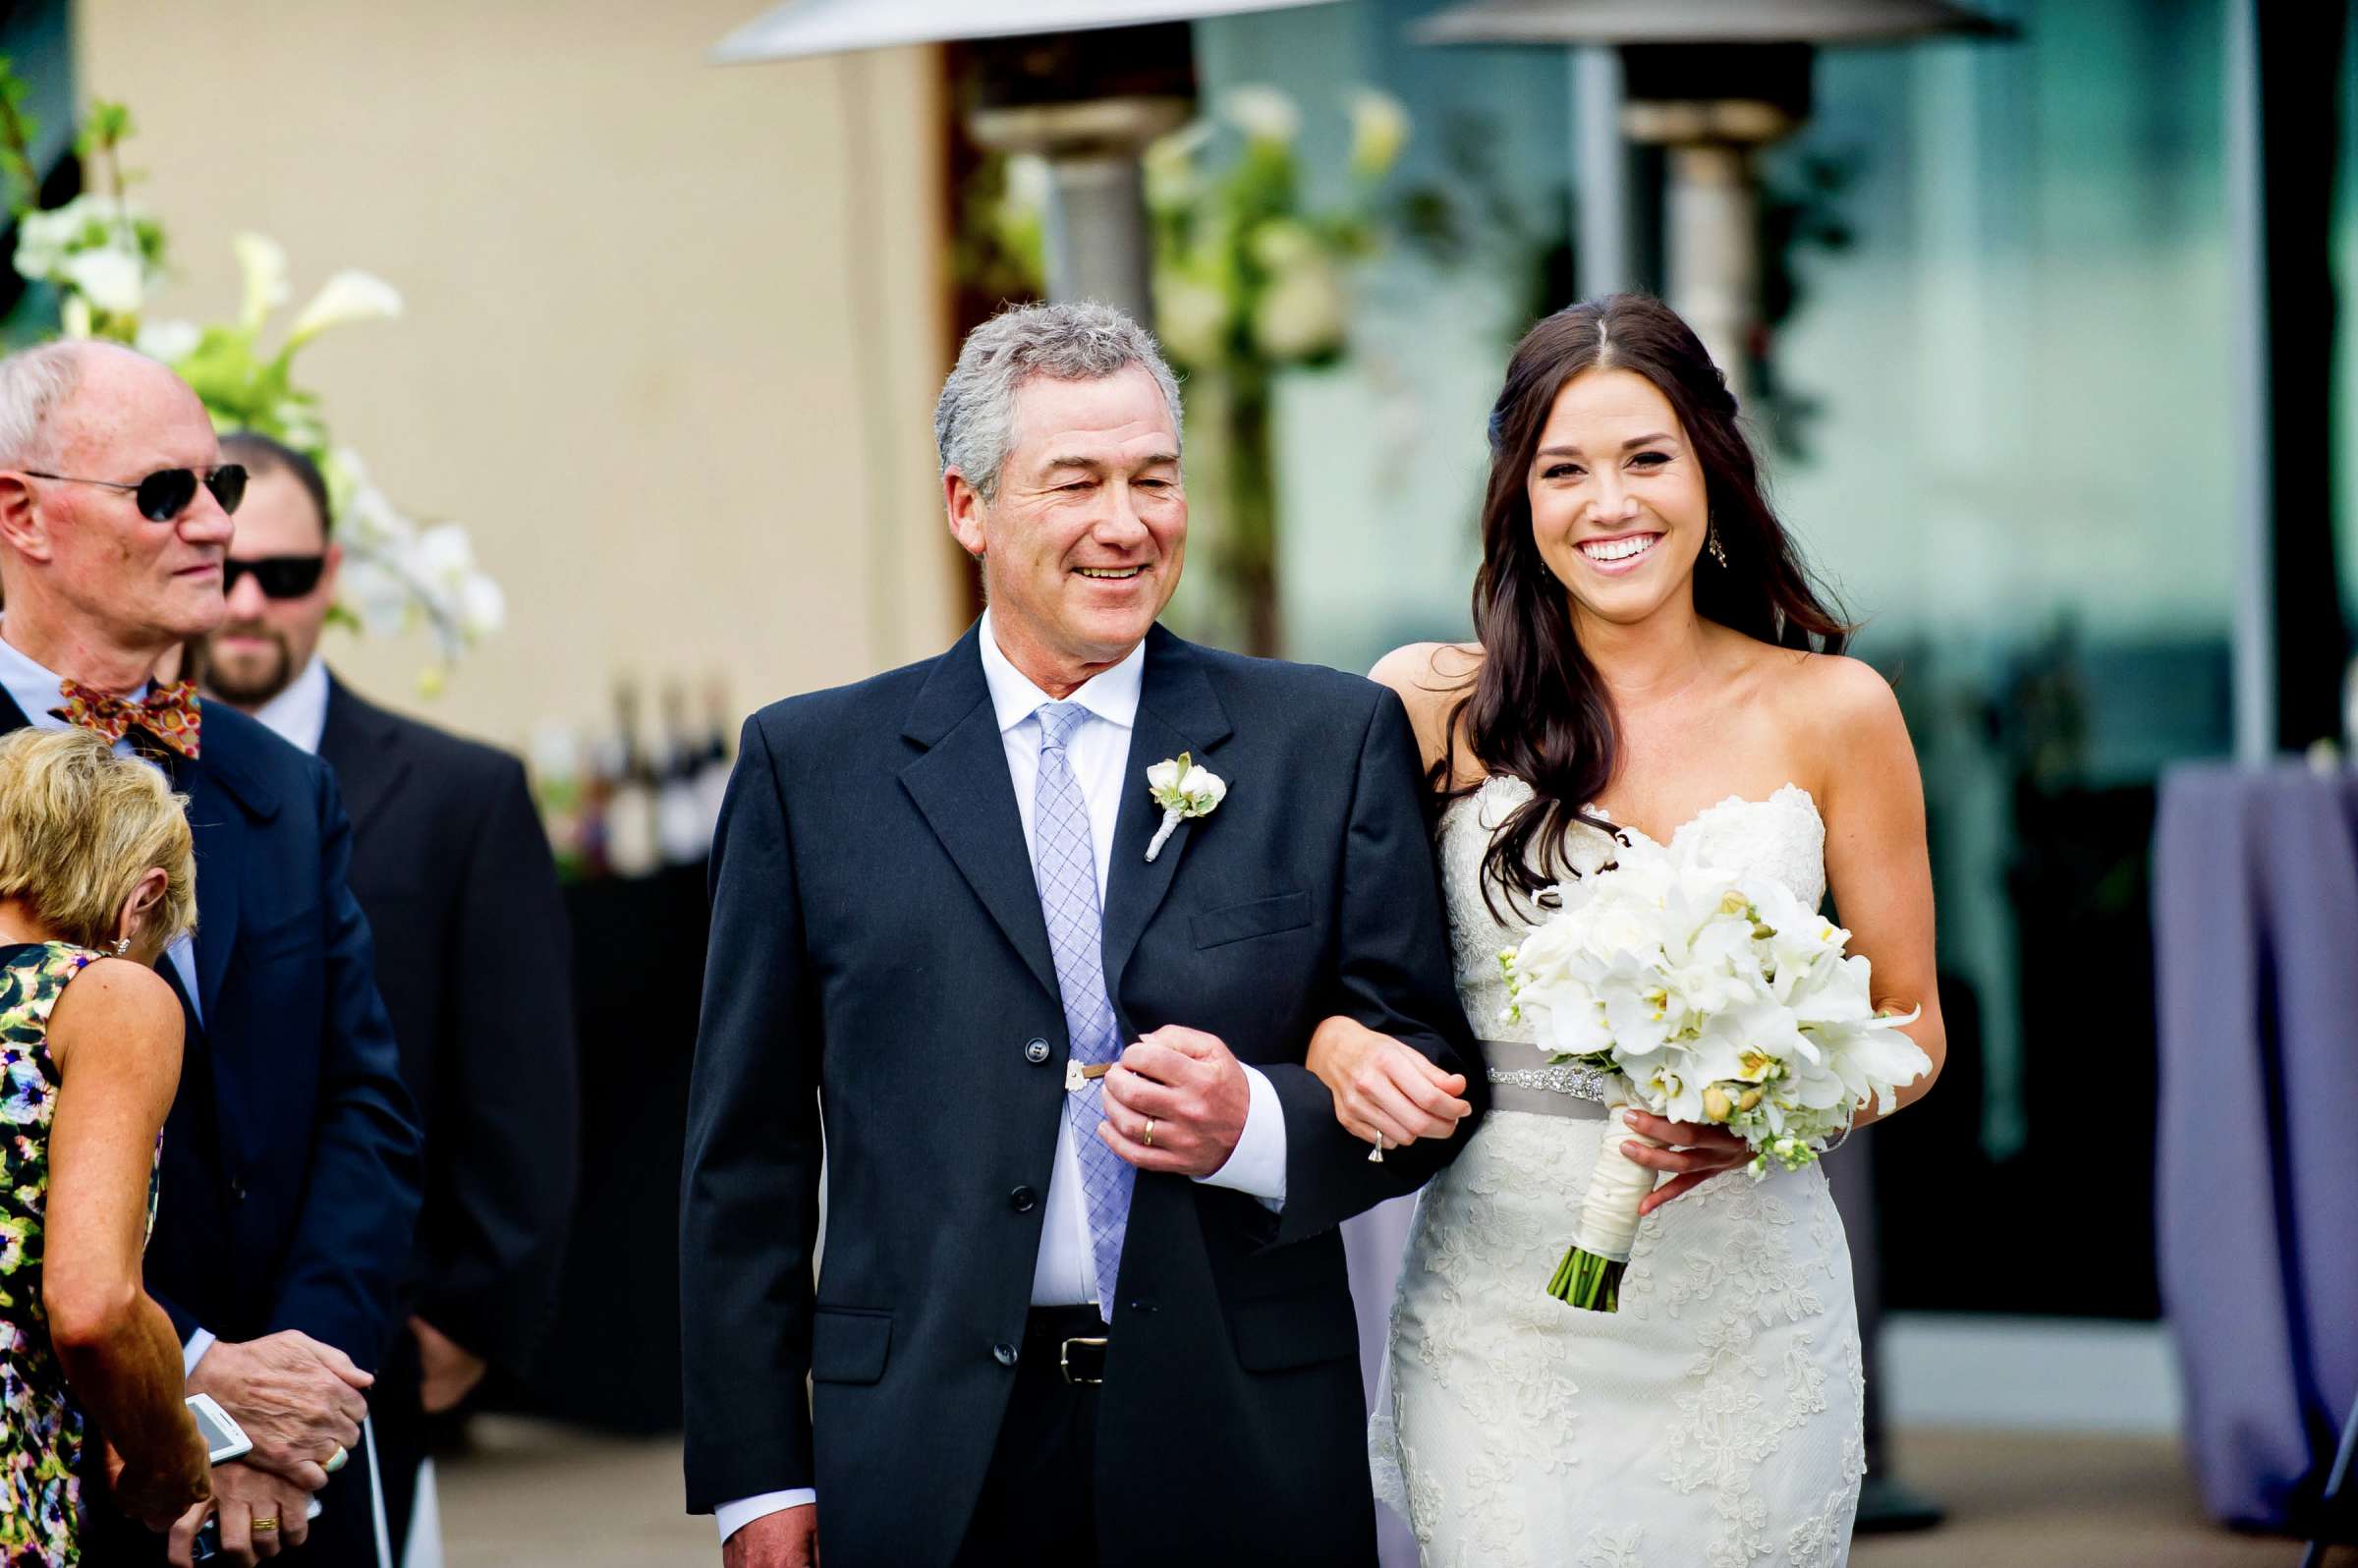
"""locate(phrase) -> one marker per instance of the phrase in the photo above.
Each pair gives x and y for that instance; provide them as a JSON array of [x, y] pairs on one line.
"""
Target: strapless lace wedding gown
[[1714, 1422]]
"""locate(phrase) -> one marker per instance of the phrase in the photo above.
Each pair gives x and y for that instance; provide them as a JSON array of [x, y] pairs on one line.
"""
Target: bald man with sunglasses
[[289, 1175], [450, 864]]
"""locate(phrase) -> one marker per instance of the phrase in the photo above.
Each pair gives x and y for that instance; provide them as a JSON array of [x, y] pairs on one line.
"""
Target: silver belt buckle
[[1064, 1359]]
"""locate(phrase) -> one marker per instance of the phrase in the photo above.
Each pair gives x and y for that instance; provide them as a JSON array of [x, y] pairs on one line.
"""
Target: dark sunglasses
[[281, 577], [166, 494]]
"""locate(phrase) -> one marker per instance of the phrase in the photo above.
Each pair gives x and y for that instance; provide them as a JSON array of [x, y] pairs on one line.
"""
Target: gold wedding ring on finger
[[1149, 1139], [264, 1526], [335, 1461]]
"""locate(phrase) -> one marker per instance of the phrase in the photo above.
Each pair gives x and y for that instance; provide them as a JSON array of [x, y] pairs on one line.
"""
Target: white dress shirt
[[36, 690], [298, 715], [1064, 1273]]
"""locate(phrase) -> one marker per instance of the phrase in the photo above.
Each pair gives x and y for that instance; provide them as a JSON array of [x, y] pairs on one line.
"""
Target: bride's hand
[[1698, 1153], [1381, 1087]]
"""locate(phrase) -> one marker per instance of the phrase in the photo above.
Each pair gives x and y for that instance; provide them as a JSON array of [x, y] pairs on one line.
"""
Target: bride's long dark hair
[[1537, 710]]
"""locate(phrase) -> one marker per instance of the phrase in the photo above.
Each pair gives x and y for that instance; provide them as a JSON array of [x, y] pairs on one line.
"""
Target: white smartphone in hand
[[224, 1439]]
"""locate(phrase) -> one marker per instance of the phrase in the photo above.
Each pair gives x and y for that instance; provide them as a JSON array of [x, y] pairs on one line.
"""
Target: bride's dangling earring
[[1712, 540]]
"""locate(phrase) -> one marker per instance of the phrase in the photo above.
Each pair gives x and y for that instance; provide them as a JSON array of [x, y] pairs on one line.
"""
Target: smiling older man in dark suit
[[1084, 1299]]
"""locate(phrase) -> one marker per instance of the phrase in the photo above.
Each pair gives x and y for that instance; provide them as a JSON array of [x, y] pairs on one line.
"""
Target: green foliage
[[1247, 278]]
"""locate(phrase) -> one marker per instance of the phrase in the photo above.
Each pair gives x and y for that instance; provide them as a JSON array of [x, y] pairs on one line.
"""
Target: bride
[[1652, 659]]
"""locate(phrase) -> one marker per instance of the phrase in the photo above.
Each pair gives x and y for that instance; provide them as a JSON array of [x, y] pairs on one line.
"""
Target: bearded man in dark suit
[[473, 956]]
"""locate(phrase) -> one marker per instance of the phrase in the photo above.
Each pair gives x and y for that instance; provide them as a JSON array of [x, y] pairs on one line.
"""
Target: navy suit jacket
[[879, 961], [475, 960], [290, 1180]]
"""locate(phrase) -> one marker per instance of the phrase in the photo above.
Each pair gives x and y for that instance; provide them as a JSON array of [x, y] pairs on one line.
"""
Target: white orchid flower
[[112, 280], [1379, 131], [444, 556], [263, 262], [1303, 315], [1263, 113], [373, 595], [1192, 318], [483, 607], [350, 296], [168, 341]]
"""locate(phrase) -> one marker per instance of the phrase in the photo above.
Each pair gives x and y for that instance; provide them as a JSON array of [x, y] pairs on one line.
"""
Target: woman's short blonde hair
[[79, 826]]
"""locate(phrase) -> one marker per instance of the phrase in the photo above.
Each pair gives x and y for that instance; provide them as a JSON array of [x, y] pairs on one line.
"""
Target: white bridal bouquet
[[1701, 997]]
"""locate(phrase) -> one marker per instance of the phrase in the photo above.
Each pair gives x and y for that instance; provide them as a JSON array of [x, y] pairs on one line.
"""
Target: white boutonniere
[[1183, 791]]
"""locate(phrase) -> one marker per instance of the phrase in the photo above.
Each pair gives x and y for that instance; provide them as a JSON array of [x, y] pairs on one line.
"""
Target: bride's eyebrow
[[1656, 438]]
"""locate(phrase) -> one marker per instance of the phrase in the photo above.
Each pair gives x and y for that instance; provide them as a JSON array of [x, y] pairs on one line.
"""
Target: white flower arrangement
[[1703, 997], [105, 255]]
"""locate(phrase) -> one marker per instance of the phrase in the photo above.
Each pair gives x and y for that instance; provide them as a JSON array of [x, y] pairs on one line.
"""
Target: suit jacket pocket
[[848, 1344], [1280, 1332], [1258, 917]]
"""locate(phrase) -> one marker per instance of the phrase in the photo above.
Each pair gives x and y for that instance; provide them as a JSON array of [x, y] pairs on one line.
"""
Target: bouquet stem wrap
[[1590, 1276]]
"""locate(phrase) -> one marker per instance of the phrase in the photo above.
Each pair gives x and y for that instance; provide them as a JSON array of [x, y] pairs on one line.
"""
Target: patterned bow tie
[[171, 713]]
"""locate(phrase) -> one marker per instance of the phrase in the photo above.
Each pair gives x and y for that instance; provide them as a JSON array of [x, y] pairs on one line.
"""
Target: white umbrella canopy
[[802, 28], [1699, 22]]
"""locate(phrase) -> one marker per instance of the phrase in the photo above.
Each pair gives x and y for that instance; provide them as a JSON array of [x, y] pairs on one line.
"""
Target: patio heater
[[1086, 84], [1710, 81]]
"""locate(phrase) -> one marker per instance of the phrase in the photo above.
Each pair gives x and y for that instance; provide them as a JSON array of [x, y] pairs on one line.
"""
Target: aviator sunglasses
[[166, 494], [280, 576]]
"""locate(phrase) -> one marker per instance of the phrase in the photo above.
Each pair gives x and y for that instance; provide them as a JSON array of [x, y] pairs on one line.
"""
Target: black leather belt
[[1073, 1338]]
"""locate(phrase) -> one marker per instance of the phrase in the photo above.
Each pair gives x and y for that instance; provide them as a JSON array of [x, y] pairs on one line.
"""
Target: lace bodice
[[1782, 836]]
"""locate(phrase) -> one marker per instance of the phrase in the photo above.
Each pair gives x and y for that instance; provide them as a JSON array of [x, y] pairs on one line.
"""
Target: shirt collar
[[299, 715], [35, 688], [1110, 695]]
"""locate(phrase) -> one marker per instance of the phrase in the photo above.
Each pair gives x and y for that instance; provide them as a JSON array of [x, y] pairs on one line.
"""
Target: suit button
[[237, 1189], [1003, 1353], [1022, 1200], [1037, 1052]]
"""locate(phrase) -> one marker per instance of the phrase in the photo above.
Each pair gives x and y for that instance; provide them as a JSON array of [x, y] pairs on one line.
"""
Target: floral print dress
[[41, 1431]]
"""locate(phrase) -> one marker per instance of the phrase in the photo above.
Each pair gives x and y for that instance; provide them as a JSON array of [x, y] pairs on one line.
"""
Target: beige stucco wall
[[673, 329]]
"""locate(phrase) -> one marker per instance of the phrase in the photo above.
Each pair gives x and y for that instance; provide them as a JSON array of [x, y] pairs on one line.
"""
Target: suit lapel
[[220, 832], [1177, 711], [961, 787], [356, 741]]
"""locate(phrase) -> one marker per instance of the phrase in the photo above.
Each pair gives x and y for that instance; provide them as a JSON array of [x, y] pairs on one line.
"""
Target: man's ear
[[23, 529], [335, 563], [970, 514]]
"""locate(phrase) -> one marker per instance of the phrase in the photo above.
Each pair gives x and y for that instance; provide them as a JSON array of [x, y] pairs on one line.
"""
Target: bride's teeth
[[1619, 550]]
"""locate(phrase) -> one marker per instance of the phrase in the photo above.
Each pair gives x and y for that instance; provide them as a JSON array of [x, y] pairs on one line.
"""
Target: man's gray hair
[[34, 383], [974, 424]]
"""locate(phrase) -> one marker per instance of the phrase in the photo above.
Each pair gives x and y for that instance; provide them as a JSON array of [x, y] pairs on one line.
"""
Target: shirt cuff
[[735, 1516], [1257, 1165], [194, 1351]]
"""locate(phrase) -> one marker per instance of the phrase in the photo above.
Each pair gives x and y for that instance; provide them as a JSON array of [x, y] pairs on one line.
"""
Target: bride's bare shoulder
[[1842, 707], [1432, 678]]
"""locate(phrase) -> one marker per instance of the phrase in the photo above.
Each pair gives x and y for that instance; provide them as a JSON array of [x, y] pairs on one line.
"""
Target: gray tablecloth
[[2256, 953]]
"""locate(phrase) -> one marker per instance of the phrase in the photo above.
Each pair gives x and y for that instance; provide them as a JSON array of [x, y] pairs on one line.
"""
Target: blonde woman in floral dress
[[96, 879], [1651, 660]]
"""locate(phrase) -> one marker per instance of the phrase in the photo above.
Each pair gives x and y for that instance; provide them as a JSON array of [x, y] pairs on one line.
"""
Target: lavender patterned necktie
[[1065, 865]]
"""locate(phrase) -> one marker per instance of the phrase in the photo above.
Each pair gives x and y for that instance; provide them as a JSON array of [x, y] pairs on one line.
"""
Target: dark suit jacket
[[880, 958], [290, 1168], [475, 962]]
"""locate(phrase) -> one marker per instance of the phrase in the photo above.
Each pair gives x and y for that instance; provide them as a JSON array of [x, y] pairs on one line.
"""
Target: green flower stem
[[1587, 1281]]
